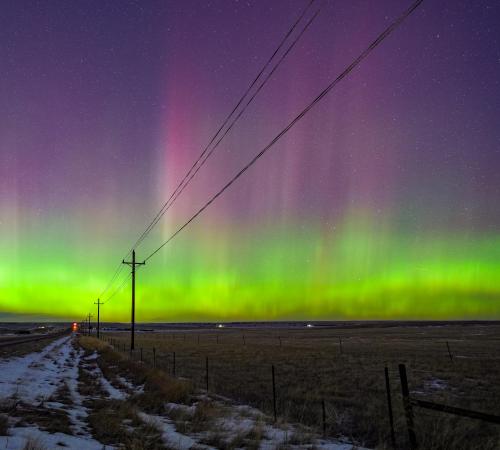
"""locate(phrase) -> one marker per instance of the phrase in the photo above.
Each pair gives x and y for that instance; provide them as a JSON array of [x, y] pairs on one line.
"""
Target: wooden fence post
[[173, 365], [141, 354], [407, 407], [389, 406], [154, 357], [340, 344]]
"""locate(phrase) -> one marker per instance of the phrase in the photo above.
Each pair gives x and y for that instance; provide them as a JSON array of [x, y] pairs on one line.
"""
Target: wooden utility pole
[[90, 315], [98, 303], [132, 325]]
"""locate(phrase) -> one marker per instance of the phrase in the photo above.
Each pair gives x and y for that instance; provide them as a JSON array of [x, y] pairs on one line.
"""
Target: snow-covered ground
[[37, 378], [32, 380]]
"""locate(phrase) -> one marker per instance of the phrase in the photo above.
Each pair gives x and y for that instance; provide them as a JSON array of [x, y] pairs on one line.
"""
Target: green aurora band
[[381, 203], [307, 273]]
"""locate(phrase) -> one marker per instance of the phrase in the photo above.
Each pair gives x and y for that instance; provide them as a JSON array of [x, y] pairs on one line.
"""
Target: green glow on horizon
[[308, 273]]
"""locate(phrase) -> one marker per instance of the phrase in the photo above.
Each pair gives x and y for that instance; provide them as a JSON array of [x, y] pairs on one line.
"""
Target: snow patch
[[169, 434], [34, 378], [21, 435]]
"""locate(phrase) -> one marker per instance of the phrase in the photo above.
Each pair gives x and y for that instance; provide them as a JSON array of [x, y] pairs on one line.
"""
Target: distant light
[[220, 325], [309, 325]]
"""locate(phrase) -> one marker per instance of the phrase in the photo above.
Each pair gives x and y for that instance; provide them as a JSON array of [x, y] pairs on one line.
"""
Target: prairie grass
[[158, 387], [18, 350], [52, 420], [34, 444], [116, 421], [313, 365]]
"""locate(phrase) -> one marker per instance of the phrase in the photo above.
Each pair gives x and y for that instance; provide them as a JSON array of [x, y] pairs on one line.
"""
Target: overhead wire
[[114, 276], [203, 155], [395, 24], [118, 289], [250, 100]]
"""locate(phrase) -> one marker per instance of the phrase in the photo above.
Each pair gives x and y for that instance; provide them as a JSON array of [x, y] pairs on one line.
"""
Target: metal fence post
[[449, 351], [206, 371], [323, 409], [274, 394]]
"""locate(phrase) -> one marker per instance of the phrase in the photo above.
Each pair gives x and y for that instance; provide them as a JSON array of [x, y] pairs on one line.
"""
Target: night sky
[[382, 203]]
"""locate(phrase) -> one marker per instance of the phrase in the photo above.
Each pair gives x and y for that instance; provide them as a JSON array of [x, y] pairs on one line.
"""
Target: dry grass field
[[312, 366], [17, 350]]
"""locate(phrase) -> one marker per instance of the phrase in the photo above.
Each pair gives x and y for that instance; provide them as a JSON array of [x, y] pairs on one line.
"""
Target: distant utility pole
[[132, 326], [90, 315], [98, 303]]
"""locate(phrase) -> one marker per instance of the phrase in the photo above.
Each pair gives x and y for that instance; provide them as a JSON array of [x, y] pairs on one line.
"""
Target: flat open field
[[311, 365], [23, 349]]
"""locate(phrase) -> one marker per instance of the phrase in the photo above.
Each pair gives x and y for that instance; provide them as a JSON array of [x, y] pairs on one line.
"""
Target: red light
[[74, 327]]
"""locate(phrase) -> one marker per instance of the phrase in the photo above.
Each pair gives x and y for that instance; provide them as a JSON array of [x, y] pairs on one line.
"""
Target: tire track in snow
[[34, 379]]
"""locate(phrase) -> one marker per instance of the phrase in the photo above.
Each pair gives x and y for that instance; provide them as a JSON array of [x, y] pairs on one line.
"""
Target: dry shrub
[[107, 420], [116, 422], [444, 432], [170, 389], [249, 440], [159, 389], [62, 395], [181, 417], [34, 444], [205, 413], [48, 419], [90, 344]]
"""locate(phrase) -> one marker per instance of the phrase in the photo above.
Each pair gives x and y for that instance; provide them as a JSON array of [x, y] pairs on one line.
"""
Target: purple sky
[[105, 104]]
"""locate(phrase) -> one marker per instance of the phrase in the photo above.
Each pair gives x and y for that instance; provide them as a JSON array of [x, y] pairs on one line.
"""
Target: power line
[[206, 153], [189, 174], [118, 289], [117, 271], [317, 99]]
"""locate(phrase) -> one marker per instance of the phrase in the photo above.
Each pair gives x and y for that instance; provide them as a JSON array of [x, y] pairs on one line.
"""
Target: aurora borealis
[[383, 203]]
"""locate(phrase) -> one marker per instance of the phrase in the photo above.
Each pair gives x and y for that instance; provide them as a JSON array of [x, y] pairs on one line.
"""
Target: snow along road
[[33, 380], [43, 386]]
